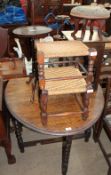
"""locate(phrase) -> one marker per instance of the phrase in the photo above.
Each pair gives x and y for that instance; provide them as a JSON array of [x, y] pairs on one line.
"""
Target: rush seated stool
[[71, 78]]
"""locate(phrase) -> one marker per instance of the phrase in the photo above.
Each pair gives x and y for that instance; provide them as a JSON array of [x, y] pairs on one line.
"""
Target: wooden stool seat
[[90, 12], [63, 80], [62, 49]]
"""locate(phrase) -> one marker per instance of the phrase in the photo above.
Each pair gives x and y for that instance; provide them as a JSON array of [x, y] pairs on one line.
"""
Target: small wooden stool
[[89, 15], [66, 79]]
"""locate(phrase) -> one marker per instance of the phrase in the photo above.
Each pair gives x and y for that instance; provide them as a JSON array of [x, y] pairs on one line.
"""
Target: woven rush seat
[[62, 49], [67, 83]]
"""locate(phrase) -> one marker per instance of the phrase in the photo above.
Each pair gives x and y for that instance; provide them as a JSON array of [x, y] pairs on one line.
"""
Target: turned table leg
[[7, 146], [18, 133], [66, 146], [109, 171], [87, 134]]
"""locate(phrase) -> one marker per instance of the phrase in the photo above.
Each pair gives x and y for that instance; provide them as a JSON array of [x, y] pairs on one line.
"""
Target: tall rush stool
[[64, 80]]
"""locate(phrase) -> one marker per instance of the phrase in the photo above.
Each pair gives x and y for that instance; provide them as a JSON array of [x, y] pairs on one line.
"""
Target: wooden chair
[[5, 55], [5, 51], [105, 119], [4, 135], [64, 79]]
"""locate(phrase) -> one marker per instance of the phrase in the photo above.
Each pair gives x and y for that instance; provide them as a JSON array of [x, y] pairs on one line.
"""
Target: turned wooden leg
[[5, 140], [97, 128], [85, 100], [91, 30], [66, 146], [7, 146], [100, 34], [76, 22], [34, 85], [84, 29], [109, 171], [18, 133], [87, 134], [43, 105]]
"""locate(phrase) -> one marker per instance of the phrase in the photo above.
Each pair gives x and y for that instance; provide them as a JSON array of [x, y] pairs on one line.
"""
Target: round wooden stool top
[[90, 12]]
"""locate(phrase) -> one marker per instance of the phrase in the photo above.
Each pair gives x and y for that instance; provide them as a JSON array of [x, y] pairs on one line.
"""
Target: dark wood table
[[31, 33], [27, 113]]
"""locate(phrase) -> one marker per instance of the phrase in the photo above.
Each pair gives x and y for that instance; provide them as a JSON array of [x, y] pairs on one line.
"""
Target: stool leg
[[76, 21], [43, 105], [91, 30], [84, 29], [100, 34], [66, 146], [85, 100]]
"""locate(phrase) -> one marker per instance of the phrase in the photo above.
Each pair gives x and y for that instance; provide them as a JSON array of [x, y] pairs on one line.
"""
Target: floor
[[85, 158]]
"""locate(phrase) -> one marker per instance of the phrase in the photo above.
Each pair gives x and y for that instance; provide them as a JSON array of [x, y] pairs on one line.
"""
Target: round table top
[[90, 12], [29, 31], [17, 97]]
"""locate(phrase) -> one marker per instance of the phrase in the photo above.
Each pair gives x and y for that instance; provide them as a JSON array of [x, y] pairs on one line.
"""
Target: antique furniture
[[105, 120], [10, 67], [31, 32], [65, 79], [4, 136], [90, 15], [28, 114]]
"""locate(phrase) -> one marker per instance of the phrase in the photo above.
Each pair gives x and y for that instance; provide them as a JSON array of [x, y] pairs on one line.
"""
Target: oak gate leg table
[[27, 113]]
